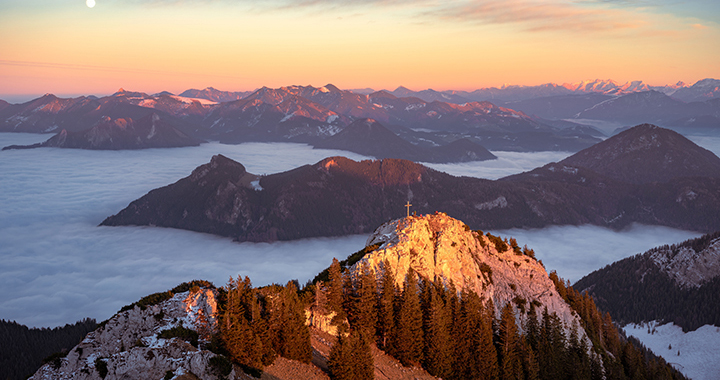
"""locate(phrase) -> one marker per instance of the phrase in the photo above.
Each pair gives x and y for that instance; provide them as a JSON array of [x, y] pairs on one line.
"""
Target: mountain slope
[[368, 137], [151, 131], [440, 248], [678, 283], [470, 299], [647, 153], [338, 196]]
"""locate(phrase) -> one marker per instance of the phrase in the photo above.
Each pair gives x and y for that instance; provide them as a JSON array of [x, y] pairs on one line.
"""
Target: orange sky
[[68, 48]]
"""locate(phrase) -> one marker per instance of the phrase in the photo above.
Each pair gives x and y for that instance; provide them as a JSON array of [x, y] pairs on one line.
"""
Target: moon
[[90, 3]]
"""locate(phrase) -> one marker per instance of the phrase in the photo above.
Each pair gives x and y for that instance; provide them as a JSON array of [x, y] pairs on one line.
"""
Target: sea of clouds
[[59, 267]]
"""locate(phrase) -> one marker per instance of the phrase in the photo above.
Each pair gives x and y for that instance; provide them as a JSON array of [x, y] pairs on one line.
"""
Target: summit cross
[[407, 205]]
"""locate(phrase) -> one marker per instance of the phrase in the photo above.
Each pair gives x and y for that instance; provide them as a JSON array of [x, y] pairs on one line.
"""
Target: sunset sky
[[67, 48]]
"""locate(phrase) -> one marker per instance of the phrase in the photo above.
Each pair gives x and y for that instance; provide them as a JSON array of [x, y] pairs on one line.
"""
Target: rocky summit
[[441, 248], [146, 342]]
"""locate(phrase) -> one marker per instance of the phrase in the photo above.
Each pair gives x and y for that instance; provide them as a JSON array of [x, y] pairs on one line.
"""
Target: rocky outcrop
[[440, 248], [129, 346], [677, 283]]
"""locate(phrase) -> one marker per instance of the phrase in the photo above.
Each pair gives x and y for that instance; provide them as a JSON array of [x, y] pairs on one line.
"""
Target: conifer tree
[[240, 340], [335, 288], [530, 362], [351, 356], [487, 360], [551, 347], [510, 360], [386, 312], [408, 339], [294, 334], [436, 358], [365, 302]]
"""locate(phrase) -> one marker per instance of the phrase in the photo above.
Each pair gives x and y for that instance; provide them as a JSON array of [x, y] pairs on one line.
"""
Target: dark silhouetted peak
[[464, 150], [647, 153], [219, 167]]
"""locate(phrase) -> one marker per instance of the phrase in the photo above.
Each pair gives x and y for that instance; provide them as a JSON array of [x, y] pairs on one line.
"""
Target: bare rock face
[[128, 346], [686, 266], [441, 248]]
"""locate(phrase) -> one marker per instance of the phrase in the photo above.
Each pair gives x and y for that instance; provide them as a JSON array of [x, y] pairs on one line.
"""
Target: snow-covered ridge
[[129, 345], [687, 267]]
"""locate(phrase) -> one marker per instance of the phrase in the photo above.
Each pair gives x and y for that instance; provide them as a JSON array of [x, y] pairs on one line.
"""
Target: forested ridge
[[23, 349], [636, 290], [451, 334]]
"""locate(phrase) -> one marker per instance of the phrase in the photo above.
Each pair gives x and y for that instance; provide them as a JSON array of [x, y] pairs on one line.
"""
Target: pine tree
[[530, 362], [335, 288], [351, 357], [436, 359], [487, 357], [364, 316], [386, 312], [408, 339], [294, 333], [243, 345], [510, 360]]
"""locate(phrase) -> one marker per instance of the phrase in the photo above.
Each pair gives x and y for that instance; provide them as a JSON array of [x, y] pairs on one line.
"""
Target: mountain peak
[[441, 248], [647, 153]]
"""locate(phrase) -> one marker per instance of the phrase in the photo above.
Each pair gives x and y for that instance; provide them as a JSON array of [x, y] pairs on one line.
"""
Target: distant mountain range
[[520, 118], [700, 91], [338, 196]]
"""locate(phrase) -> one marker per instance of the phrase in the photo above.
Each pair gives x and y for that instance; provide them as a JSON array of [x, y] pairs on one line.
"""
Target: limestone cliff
[[129, 345], [441, 248]]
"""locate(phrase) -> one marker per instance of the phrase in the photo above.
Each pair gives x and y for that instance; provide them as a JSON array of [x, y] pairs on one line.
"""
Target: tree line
[[23, 349]]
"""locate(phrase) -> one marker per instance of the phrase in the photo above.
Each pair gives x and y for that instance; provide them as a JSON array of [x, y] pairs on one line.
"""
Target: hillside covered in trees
[[677, 283], [535, 327], [23, 349]]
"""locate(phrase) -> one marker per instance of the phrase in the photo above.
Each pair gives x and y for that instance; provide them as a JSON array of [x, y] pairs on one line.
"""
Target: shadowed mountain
[[648, 107], [215, 95], [150, 131], [559, 106], [338, 196], [368, 137], [647, 153], [677, 283]]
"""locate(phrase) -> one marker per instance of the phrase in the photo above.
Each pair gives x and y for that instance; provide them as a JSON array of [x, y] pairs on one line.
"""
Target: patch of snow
[[694, 353], [412, 107], [287, 117], [332, 118], [152, 132], [51, 128], [185, 100], [256, 185]]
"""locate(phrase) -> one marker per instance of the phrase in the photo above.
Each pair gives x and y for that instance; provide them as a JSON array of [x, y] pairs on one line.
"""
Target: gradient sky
[[66, 48]]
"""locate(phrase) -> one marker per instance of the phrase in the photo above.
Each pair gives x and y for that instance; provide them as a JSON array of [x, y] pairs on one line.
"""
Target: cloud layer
[[58, 266]]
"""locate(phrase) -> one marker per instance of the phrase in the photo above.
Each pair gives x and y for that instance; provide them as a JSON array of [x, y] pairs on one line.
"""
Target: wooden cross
[[408, 208]]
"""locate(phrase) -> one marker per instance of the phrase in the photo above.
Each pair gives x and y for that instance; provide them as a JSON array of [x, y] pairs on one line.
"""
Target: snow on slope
[[699, 350]]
